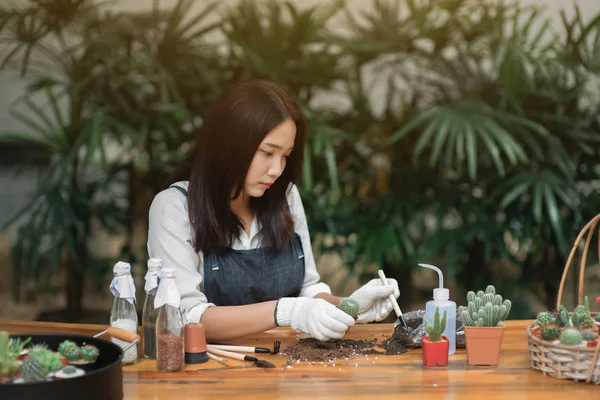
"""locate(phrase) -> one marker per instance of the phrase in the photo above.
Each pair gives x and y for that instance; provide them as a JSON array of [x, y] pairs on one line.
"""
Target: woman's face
[[270, 158]]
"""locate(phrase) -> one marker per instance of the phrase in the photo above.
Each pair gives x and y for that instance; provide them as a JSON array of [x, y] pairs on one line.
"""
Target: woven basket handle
[[590, 227]]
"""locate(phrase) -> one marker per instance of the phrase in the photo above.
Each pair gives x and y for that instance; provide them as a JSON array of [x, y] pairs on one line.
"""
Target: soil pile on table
[[313, 350]]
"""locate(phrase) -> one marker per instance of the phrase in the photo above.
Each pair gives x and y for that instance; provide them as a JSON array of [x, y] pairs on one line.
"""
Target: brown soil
[[313, 350]]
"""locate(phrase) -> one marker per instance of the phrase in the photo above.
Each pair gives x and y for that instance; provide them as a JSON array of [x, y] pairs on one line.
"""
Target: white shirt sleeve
[[312, 280], [169, 238]]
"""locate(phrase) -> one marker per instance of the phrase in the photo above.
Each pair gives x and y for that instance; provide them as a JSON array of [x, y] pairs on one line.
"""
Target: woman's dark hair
[[236, 124]]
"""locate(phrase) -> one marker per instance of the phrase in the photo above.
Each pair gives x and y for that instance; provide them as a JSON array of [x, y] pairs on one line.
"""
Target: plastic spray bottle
[[441, 299]]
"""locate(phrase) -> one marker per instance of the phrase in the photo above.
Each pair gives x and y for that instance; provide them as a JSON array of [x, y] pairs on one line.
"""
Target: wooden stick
[[243, 349], [218, 359], [230, 354]]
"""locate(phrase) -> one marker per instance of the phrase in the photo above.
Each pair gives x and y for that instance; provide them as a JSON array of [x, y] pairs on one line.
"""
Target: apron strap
[[182, 190]]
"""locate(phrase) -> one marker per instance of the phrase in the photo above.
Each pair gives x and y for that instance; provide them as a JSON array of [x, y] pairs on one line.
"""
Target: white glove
[[373, 301], [316, 317]]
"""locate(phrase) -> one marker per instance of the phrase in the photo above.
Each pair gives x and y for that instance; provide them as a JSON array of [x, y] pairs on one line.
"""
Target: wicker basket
[[557, 360]]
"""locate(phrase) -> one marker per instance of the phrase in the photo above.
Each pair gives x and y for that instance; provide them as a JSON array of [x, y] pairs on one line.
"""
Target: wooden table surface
[[372, 377]]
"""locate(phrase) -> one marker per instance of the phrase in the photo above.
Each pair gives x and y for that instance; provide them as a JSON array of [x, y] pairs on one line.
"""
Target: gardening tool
[[256, 362], [394, 302], [248, 349]]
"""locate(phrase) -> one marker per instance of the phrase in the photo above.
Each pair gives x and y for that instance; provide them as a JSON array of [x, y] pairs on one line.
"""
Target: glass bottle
[[170, 348], [149, 313], [123, 314]]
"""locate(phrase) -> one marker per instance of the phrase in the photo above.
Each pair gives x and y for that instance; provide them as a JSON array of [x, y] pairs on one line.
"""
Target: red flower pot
[[592, 344], [435, 354]]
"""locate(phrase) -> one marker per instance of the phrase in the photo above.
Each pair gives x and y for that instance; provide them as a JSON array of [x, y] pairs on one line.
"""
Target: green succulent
[[563, 316], [64, 346], [597, 319], [589, 336], [89, 353], [485, 308], [588, 322], [571, 337], [578, 315], [435, 331], [10, 349], [350, 307], [32, 370], [50, 360], [73, 353], [550, 331], [543, 318], [69, 370]]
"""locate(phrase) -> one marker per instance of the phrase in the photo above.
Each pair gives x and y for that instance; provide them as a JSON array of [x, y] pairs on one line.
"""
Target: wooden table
[[373, 377]]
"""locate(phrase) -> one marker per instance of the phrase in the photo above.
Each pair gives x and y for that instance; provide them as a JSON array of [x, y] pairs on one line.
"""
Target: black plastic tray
[[103, 379]]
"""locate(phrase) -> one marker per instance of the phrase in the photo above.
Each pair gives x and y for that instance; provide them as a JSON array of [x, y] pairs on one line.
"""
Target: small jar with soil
[[169, 324], [149, 313]]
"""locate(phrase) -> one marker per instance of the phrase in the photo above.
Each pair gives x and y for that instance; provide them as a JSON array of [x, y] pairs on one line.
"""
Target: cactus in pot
[[434, 331], [483, 320], [550, 331], [33, 371], [89, 353], [435, 346], [485, 309], [73, 353], [50, 360], [589, 336], [64, 346], [571, 337]]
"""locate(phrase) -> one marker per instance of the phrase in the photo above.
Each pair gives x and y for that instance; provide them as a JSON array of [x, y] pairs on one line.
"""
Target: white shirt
[[170, 239]]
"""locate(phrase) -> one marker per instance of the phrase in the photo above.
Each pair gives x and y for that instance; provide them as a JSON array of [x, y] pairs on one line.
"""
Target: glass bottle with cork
[[169, 324], [123, 314], [149, 313]]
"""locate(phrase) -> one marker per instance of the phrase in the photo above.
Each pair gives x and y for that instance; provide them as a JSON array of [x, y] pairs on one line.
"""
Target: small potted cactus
[[435, 346], [590, 337], [483, 321]]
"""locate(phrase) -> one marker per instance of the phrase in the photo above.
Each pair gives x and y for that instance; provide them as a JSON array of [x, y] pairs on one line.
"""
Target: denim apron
[[240, 277]]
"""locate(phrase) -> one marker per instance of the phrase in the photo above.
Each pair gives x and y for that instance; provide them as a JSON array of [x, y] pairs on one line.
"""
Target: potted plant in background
[[435, 346], [483, 321]]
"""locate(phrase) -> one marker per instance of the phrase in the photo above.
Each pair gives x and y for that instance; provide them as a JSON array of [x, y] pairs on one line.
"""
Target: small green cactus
[[73, 353], [563, 316], [589, 336], [543, 318], [50, 360], [69, 370], [349, 306], [578, 316], [8, 363], [597, 319], [588, 322], [571, 337], [586, 305], [64, 346], [32, 370], [485, 308], [550, 331], [89, 353], [435, 331]]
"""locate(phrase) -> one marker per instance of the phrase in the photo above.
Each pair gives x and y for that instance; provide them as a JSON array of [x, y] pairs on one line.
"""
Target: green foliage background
[[484, 160]]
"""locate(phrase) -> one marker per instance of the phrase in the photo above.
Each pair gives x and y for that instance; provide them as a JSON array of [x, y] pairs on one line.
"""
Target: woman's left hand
[[373, 301]]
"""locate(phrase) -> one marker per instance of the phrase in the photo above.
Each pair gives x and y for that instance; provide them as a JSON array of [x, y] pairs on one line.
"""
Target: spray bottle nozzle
[[439, 271], [440, 293]]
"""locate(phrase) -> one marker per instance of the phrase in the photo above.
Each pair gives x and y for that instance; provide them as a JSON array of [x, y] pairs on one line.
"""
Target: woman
[[233, 226]]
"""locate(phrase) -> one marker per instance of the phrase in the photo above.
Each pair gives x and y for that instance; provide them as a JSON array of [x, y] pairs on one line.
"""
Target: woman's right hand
[[316, 317]]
